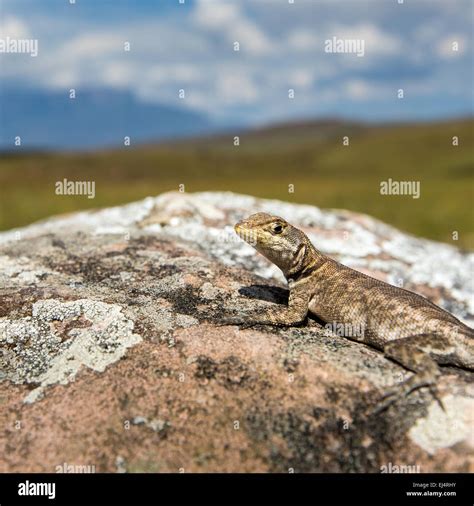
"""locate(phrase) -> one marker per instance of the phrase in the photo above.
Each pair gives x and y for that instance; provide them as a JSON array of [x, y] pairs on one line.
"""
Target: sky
[[424, 47]]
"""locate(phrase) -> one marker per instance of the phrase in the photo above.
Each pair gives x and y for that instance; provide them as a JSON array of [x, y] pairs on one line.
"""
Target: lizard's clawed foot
[[435, 393], [402, 391], [387, 400]]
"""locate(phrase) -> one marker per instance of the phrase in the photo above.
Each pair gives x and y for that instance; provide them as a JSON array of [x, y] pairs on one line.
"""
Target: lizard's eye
[[277, 229]]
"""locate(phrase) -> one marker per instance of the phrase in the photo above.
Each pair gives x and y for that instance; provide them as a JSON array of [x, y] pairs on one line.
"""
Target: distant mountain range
[[95, 118]]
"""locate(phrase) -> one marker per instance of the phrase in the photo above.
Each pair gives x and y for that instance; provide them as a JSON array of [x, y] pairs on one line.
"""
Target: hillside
[[309, 156], [94, 118]]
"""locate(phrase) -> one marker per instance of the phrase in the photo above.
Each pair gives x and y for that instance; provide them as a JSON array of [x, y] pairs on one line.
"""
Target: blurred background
[[143, 96]]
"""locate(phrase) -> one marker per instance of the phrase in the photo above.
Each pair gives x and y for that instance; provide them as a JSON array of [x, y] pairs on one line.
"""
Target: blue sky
[[282, 46]]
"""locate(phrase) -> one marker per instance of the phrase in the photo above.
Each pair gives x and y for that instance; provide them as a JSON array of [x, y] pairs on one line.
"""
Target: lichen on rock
[[59, 338]]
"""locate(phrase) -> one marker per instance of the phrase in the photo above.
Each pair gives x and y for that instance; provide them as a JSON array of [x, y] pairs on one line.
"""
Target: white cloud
[[233, 88], [210, 14], [302, 78], [118, 74], [230, 20], [93, 45], [451, 46], [376, 41], [281, 47], [179, 72], [14, 27], [303, 40], [62, 78], [358, 89]]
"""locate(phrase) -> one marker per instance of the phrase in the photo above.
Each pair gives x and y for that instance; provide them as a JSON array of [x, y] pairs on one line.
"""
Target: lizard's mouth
[[239, 228], [246, 234]]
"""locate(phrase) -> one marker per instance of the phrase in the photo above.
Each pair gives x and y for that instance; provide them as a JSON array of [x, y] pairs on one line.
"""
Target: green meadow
[[310, 156]]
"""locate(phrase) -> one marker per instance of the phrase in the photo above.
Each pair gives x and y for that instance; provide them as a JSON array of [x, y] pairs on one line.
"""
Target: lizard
[[407, 327]]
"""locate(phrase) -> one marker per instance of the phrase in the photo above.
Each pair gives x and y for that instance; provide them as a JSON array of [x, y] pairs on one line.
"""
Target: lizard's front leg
[[293, 314], [410, 353]]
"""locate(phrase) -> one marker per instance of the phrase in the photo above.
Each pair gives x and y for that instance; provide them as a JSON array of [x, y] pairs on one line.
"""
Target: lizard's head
[[274, 238]]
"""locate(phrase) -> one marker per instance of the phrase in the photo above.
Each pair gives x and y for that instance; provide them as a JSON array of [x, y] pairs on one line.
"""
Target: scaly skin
[[407, 327]]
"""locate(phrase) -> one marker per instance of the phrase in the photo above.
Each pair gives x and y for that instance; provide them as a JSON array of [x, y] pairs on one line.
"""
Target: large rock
[[112, 355]]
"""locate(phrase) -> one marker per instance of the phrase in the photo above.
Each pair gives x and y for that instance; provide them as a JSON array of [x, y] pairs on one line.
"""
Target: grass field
[[310, 156]]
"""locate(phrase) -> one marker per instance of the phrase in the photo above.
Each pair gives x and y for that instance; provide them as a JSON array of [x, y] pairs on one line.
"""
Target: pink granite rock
[[112, 357]]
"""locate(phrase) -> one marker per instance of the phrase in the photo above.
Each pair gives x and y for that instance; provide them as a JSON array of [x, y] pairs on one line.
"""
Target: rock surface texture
[[111, 353]]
